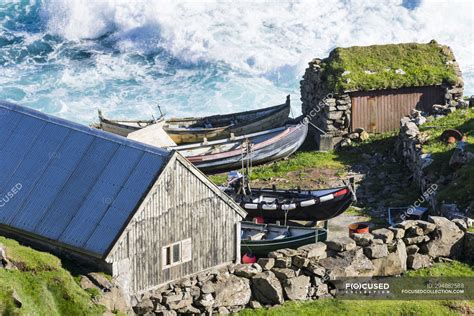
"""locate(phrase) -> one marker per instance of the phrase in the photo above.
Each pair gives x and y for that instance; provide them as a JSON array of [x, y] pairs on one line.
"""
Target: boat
[[261, 147], [308, 205], [198, 129], [260, 239]]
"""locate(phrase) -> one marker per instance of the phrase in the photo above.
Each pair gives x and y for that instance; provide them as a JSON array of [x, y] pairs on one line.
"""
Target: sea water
[[72, 57]]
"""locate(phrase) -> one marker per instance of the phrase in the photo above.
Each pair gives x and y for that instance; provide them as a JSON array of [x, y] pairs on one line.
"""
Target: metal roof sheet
[[70, 183]]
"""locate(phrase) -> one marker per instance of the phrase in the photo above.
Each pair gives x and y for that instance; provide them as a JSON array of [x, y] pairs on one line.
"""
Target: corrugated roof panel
[[79, 185], [33, 166], [102, 196], [128, 197], [64, 162]]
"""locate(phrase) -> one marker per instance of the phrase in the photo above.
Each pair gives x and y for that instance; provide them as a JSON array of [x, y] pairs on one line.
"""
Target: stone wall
[[331, 111], [306, 273]]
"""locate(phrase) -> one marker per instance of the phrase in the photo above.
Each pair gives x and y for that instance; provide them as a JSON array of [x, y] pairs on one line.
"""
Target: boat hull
[[321, 211], [278, 147], [261, 248]]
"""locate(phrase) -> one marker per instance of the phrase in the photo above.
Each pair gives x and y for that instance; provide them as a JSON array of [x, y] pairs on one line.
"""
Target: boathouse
[[141, 213], [373, 87]]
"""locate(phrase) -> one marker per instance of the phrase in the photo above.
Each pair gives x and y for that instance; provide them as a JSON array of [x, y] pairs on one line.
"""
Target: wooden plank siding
[[179, 206], [380, 111]]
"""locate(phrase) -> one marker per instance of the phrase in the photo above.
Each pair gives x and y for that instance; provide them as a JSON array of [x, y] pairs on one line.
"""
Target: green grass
[[448, 269], [471, 229], [423, 64], [461, 189], [333, 307], [42, 284]]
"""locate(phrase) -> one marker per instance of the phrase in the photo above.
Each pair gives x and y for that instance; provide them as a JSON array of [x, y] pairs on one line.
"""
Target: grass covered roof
[[389, 66]]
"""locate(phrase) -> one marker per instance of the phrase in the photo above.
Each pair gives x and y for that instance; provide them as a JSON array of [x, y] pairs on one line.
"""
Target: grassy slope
[[423, 64], [462, 189], [42, 284], [382, 307]]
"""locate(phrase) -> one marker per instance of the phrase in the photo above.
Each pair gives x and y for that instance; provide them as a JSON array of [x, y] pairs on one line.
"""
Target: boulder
[[284, 273], [427, 227], [343, 243], [461, 224], [100, 281], [296, 289], [266, 263], [247, 270], [398, 233], [447, 239], [316, 250], [383, 233], [284, 262], [418, 261], [206, 301], [315, 269], [363, 240], [232, 291], [300, 262], [350, 263], [405, 224], [394, 264], [376, 251], [208, 288], [416, 240], [412, 249], [267, 289], [286, 252]]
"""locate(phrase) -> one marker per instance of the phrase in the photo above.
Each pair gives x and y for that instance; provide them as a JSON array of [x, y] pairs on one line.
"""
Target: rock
[[343, 243], [206, 301], [416, 240], [275, 255], [86, 283], [284, 262], [418, 261], [223, 311], [172, 297], [398, 233], [267, 289], [195, 292], [353, 136], [255, 304], [322, 290], [16, 300], [266, 263], [159, 308], [189, 310], [100, 281], [377, 242], [461, 224], [427, 227], [412, 249], [345, 142], [284, 273], [363, 135], [363, 240], [300, 262], [376, 251], [186, 301], [383, 233], [286, 252], [296, 289], [350, 263], [447, 239], [144, 306], [394, 264], [247, 270], [414, 231], [406, 224], [208, 288], [316, 250], [316, 269], [233, 291]]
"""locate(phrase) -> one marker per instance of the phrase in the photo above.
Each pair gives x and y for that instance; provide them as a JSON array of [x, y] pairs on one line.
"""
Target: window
[[176, 253]]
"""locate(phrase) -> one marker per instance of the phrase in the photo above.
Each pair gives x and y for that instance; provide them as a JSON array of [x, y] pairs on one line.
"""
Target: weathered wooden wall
[[179, 206]]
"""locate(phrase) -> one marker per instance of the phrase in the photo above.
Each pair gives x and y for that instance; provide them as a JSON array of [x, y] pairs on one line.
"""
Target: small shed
[[141, 213], [373, 87]]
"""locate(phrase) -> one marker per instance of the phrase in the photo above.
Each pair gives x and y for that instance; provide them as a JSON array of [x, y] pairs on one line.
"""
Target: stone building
[[371, 88]]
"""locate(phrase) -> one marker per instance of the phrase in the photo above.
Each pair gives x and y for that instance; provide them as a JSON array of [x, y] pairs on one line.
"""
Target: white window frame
[[185, 253]]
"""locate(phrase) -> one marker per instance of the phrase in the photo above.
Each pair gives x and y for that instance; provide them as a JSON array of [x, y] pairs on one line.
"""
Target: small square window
[[176, 253]]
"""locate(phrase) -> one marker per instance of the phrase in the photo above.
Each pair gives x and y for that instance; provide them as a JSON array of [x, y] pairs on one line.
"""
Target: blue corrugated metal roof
[[74, 184]]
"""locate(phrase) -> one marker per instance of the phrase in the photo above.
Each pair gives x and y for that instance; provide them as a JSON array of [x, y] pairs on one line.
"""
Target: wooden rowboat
[[260, 239], [227, 154], [314, 205], [194, 130]]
